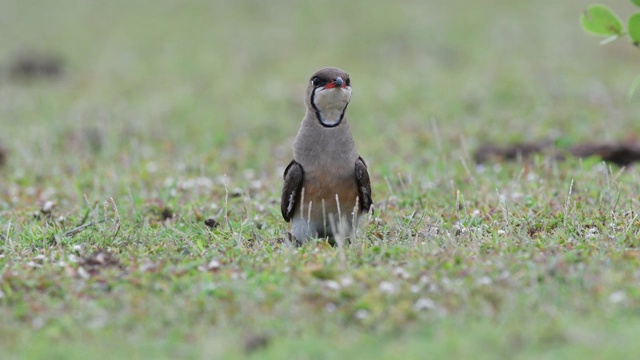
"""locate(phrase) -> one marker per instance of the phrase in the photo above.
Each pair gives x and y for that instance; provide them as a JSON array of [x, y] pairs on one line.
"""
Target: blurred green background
[[220, 84], [157, 100]]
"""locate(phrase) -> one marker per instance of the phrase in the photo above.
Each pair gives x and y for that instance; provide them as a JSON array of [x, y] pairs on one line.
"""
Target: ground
[[166, 126]]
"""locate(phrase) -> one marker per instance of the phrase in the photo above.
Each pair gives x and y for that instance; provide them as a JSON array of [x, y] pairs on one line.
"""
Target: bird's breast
[[332, 188]]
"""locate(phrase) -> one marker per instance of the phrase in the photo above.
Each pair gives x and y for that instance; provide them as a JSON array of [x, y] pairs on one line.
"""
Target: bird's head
[[328, 94]]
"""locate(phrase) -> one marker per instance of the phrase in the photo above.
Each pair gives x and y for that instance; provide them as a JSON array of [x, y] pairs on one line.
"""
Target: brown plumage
[[327, 175]]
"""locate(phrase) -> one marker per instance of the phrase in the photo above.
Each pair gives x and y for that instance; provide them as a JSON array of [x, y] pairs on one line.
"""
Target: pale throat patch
[[331, 102]]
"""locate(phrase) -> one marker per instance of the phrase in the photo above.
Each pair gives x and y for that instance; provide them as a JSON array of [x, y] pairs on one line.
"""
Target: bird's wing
[[364, 185], [293, 176]]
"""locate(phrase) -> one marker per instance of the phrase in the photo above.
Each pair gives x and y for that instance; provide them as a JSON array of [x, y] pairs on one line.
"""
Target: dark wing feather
[[293, 176], [364, 185]]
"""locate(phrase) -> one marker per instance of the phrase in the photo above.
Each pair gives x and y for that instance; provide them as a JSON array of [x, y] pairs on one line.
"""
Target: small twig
[[78, 229], [226, 200], [117, 231], [502, 200], [117, 217], [567, 203]]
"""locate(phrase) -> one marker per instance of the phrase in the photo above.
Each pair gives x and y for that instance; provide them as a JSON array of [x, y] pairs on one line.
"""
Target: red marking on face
[[330, 85]]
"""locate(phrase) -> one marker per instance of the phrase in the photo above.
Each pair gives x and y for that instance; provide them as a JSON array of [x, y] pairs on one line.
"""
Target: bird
[[326, 186]]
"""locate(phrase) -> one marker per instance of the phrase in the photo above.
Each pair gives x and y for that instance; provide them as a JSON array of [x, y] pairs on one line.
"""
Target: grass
[[172, 113]]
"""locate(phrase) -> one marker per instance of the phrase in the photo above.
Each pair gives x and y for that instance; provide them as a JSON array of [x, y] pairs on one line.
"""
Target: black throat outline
[[319, 116]]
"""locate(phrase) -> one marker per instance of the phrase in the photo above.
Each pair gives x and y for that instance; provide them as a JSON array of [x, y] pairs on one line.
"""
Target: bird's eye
[[348, 82], [316, 81]]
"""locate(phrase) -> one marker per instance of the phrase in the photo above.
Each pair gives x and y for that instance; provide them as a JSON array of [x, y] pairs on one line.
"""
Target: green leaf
[[601, 21], [633, 28], [636, 2]]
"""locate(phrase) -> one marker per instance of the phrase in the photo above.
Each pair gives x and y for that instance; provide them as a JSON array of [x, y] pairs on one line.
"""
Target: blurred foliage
[[600, 20]]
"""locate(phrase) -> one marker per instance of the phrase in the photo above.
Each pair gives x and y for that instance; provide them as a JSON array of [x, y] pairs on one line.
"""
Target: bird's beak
[[338, 82]]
